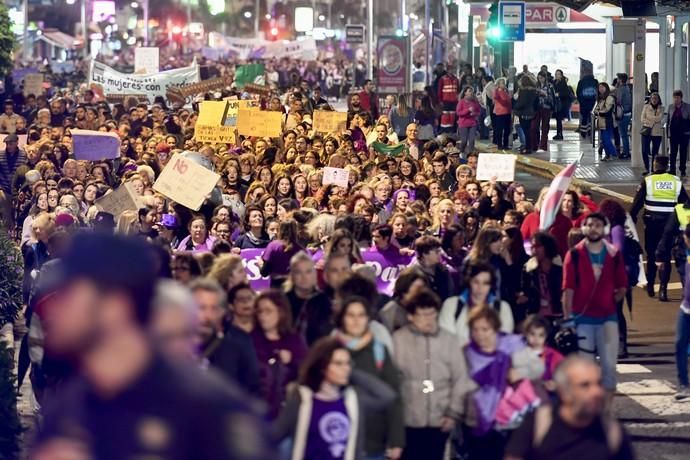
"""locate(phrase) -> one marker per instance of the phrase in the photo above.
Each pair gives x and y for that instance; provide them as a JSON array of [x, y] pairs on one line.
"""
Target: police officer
[[128, 401], [658, 194]]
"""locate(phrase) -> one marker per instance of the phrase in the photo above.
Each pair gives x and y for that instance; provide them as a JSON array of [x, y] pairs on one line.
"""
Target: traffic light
[[494, 32]]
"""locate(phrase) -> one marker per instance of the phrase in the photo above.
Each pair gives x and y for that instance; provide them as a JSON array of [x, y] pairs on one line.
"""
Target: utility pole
[[25, 45], [146, 22], [84, 31], [257, 11], [370, 39]]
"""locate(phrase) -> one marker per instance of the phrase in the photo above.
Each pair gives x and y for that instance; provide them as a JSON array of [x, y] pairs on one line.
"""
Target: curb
[[548, 170]]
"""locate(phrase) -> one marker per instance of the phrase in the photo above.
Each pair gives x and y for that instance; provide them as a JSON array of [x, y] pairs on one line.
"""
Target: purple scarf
[[490, 373]]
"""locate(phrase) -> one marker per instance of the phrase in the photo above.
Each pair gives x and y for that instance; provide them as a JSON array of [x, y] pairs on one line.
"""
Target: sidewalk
[[615, 178]]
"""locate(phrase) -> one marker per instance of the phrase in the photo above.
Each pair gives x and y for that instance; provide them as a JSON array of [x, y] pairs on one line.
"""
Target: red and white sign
[[546, 14], [392, 63]]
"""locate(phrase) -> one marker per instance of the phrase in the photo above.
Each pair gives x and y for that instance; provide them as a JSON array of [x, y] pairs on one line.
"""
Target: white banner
[[152, 85], [249, 48]]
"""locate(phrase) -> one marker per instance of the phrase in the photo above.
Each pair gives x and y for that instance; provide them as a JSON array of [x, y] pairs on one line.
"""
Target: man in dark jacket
[[587, 97], [678, 126], [226, 347]]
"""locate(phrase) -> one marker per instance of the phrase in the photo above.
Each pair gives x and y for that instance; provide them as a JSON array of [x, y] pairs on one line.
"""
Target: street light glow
[[248, 14], [134, 5], [70, 2], [322, 17], [268, 17]]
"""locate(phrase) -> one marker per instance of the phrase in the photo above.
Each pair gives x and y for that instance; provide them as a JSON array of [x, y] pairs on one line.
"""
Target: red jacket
[[502, 102], [369, 103], [594, 299], [448, 87], [559, 230]]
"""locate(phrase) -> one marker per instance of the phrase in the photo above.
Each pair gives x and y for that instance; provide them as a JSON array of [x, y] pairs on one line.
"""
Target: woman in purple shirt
[[198, 239], [277, 255], [279, 349]]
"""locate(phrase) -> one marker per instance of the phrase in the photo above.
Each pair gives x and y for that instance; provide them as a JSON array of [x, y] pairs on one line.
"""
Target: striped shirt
[[8, 166]]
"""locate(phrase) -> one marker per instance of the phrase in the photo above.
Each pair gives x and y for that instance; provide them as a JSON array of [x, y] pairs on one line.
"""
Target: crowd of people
[[455, 358]]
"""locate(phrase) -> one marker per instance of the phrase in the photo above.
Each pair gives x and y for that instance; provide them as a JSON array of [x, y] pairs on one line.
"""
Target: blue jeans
[[682, 338], [623, 126], [607, 141], [602, 340]]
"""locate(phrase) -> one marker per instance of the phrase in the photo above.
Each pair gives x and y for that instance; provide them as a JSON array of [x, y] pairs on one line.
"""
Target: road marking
[[654, 395], [657, 425], [632, 369]]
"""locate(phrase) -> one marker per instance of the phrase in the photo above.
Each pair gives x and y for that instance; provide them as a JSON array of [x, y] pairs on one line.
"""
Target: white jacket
[[459, 326]]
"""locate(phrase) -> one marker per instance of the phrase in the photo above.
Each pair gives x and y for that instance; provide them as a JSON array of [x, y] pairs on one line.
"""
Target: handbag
[[646, 131]]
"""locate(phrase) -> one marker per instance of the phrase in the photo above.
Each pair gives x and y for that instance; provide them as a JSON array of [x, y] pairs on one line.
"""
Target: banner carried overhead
[[249, 48], [114, 82]]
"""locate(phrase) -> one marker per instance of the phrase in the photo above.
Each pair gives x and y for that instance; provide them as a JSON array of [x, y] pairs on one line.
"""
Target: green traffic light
[[494, 32]]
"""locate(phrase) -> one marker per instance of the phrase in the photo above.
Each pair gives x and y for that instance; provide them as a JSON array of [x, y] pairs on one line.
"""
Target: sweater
[[431, 357], [502, 102], [385, 427], [468, 111]]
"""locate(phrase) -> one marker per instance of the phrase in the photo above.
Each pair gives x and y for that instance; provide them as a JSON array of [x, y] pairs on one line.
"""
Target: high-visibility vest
[[683, 215], [449, 88], [662, 192]]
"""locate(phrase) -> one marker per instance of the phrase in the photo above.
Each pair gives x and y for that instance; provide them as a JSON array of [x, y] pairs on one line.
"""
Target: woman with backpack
[[480, 291], [604, 111]]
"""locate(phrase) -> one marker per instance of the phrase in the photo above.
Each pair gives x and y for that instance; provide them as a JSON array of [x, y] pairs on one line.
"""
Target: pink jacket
[[468, 113]]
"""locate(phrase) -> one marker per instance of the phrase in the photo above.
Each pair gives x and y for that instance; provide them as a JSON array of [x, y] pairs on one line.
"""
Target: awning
[[60, 39]]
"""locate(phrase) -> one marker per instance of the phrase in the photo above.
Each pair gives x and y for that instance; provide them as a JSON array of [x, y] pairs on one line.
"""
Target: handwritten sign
[[186, 182], [117, 201], [33, 84], [499, 165], [146, 60], [337, 176], [95, 145], [209, 126], [21, 140], [259, 123], [329, 122], [234, 107]]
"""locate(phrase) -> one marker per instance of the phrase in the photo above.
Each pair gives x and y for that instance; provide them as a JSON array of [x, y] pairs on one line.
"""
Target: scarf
[[490, 373], [355, 344]]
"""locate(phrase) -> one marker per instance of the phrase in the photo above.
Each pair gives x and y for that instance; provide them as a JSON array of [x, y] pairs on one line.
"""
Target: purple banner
[[387, 267]]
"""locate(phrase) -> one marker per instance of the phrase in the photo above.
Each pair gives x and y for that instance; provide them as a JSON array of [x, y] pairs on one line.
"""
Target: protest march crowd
[[346, 269]]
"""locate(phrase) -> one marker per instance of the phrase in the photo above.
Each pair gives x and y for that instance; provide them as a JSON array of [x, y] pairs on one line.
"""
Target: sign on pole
[[146, 60], [354, 33], [392, 65], [511, 20]]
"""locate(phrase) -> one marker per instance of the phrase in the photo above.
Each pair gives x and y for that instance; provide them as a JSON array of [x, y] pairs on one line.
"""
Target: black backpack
[[631, 258]]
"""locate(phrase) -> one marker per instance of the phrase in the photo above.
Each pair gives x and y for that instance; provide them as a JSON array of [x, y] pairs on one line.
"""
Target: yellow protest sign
[[233, 108], [209, 126], [259, 123], [186, 182], [329, 122]]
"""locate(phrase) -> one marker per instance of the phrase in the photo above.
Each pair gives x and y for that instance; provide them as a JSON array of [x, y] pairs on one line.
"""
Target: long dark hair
[[282, 305], [311, 374], [516, 248], [606, 93]]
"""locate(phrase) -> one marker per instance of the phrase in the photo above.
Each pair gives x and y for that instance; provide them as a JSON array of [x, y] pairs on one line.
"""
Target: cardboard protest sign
[[146, 60], [209, 126], [259, 123], [179, 94], [186, 182], [498, 165], [95, 145], [329, 122], [234, 107], [118, 201], [21, 140], [337, 176], [33, 84]]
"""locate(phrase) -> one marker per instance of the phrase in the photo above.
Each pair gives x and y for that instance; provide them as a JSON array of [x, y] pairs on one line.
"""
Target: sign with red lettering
[[186, 182], [545, 13]]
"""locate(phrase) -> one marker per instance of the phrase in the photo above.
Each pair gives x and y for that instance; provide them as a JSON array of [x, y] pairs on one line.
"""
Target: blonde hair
[[437, 208], [128, 223], [222, 268], [46, 220]]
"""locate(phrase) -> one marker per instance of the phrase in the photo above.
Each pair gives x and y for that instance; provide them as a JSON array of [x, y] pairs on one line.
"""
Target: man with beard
[[575, 428], [58, 112], [127, 401], [354, 109], [594, 280], [227, 348]]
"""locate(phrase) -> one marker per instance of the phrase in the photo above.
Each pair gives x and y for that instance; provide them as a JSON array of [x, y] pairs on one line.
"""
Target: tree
[[11, 272], [10, 427], [6, 41]]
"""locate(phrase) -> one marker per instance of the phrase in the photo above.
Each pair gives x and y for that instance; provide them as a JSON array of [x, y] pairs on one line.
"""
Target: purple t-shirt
[[277, 258], [329, 430]]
